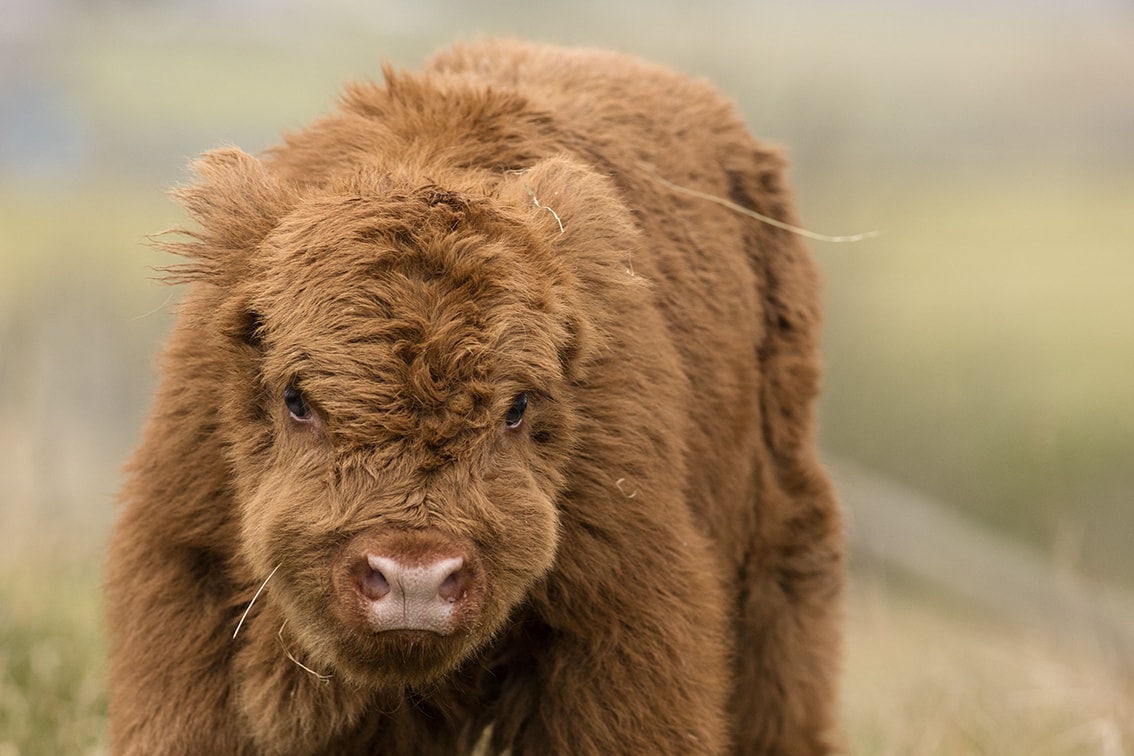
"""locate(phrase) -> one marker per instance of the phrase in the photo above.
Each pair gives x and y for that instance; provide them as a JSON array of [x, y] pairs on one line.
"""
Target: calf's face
[[394, 401]]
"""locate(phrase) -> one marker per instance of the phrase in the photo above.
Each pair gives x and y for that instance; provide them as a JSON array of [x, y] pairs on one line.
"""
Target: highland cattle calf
[[481, 424]]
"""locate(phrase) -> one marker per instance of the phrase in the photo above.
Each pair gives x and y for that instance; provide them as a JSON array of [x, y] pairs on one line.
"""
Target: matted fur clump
[[511, 442]]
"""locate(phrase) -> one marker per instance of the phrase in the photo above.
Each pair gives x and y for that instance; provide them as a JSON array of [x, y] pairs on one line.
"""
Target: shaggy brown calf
[[472, 430]]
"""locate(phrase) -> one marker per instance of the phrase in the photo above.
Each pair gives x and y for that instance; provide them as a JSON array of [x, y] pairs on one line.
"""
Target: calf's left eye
[[297, 404]]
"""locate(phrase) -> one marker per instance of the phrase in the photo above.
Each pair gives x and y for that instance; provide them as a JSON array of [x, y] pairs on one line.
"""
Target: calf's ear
[[571, 200], [235, 202], [592, 240]]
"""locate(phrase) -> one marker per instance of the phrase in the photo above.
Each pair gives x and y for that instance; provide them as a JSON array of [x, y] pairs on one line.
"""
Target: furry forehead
[[427, 273], [383, 267]]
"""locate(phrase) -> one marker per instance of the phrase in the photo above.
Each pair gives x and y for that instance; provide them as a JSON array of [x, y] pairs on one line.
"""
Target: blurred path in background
[[894, 527]]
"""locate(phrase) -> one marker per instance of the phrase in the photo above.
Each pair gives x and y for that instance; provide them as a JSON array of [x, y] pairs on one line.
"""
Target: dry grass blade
[[545, 207], [752, 213], [319, 676], [253, 601]]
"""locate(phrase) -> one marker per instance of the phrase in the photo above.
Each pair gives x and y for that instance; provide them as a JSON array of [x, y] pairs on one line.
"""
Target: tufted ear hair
[[236, 202], [592, 238], [561, 195]]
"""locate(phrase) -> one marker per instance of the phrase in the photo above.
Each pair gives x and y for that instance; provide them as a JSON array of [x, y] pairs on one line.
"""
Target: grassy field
[[52, 687], [926, 675]]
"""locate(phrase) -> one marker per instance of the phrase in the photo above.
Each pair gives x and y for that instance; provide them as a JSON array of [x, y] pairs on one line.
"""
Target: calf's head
[[388, 364]]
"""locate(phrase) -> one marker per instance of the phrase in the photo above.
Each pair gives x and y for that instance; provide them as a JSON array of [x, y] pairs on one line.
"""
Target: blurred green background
[[979, 351]]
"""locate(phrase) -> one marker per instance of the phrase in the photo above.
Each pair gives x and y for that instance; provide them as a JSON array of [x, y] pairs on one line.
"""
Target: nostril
[[455, 586], [373, 583]]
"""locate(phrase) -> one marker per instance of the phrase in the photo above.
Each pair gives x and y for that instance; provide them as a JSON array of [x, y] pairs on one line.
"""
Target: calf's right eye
[[296, 404], [515, 414]]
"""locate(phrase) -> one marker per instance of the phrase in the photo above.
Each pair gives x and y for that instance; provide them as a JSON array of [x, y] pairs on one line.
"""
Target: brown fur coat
[[511, 443]]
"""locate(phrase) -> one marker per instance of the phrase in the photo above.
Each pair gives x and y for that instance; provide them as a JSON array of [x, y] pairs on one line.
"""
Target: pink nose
[[403, 596]]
